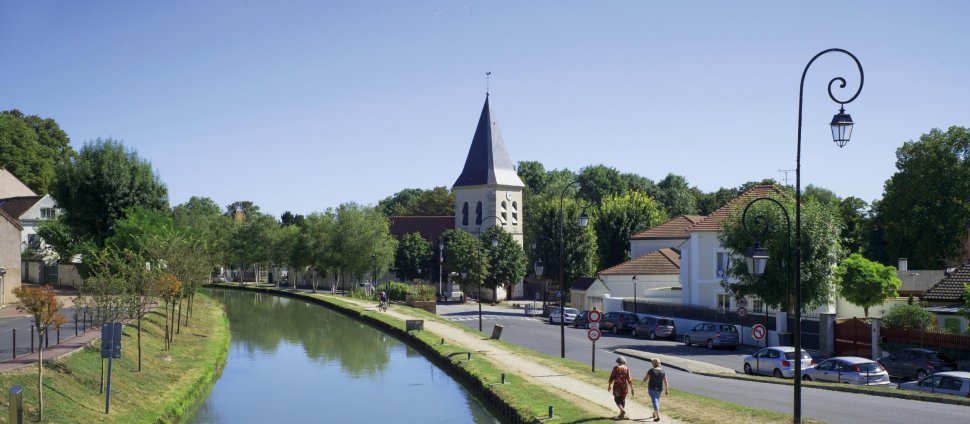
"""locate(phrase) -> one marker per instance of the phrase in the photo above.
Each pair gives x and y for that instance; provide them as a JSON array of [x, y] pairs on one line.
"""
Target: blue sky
[[302, 106]]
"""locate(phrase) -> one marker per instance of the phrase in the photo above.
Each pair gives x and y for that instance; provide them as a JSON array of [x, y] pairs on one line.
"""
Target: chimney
[[903, 264]]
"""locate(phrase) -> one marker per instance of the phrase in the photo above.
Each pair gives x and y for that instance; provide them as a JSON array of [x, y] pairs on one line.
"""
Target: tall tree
[[97, 186], [855, 220], [634, 182], [462, 253], [599, 181], [619, 218], [925, 210], [438, 201], [676, 196], [506, 261], [865, 283], [413, 257], [707, 203], [22, 154], [575, 253], [533, 174], [43, 306]]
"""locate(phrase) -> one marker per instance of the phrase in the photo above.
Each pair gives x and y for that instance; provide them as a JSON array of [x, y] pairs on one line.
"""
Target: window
[[47, 213], [723, 263], [515, 213], [504, 214], [757, 305], [464, 214], [724, 301], [478, 214], [33, 241], [930, 381]]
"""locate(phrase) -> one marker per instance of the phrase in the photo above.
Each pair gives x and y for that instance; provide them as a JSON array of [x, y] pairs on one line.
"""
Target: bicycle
[[382, 306]]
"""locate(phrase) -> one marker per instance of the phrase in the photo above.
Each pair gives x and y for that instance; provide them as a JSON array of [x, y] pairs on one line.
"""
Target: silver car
[[570, 314], [946, 382], [848, 369], [777, 361]]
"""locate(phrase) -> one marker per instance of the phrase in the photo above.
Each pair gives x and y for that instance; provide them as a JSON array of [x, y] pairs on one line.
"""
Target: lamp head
[[540, 267], [583, 219], [757, 258], [494, 242], [841, 127], [464, 273]]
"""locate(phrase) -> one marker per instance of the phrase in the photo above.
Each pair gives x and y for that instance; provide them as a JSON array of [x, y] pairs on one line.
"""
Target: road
[[23, 324], [824, 405]]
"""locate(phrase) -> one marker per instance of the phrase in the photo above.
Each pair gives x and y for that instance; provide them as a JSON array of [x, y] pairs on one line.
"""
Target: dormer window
[[47, 213]]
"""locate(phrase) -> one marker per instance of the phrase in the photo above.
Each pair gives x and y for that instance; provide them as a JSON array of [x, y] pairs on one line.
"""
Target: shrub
[[422, 293], [908, 317]]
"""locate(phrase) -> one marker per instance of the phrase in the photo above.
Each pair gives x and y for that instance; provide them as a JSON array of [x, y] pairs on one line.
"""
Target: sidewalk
[[537, 373], [683, 364], [66, 348]]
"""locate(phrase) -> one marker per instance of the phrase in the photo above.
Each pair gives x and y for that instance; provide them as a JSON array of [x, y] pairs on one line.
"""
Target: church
[[488, 192]]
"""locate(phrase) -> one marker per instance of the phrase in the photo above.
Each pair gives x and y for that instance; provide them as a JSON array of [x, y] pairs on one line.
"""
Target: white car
[[571, 313], [777, 361], [946, 382], [848, 369]]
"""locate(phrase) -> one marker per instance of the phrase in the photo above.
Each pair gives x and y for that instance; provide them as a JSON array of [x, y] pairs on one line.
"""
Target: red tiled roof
[[661, 262], [430, 227], [676, 228], [951, 288], [16, 206], [713, 221]]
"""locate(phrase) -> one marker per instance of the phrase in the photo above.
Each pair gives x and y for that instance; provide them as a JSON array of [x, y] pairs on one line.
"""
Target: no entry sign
[[594, 334], [742, 312], [594, 316], [758, 332]]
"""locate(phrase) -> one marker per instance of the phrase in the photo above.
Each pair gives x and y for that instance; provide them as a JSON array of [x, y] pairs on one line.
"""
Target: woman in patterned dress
[[620, 382]]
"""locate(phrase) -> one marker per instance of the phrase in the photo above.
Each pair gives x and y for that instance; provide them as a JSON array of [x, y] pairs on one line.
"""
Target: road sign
[[743, 303], [594, 325], [594, 316], [111, 340], [742, 312], [758, 332], [594, 334]]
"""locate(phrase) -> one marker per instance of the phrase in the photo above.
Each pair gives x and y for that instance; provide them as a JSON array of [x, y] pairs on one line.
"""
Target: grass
[[533, 400], [170, 384]]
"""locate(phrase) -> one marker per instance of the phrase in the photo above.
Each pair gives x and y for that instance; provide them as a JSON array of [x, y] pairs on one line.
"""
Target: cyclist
[[383, 301]]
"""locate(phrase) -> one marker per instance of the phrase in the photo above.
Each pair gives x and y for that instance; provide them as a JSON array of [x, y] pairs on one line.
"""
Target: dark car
[[619, 322], [655, 327], [916, 363], [581, 320], [713, 334]]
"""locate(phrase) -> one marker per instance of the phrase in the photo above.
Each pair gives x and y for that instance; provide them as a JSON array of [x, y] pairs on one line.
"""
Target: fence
[[926, 339]]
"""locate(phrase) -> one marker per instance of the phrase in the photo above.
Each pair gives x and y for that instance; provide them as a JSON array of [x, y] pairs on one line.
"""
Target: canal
[[291, 361]]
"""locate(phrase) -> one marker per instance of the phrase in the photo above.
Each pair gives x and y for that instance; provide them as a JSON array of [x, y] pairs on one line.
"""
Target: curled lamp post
[[441, 260], [757, 256], [464, 272], [583, 222], [841, 132]]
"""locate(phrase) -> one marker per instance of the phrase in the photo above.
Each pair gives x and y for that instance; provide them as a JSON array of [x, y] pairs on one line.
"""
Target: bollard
[[58, 334], [16, 410], [469, 356], [442, 340], [552, 410], [47, 337], [75, 324], [503, 378], [14, 343], [31, 339]]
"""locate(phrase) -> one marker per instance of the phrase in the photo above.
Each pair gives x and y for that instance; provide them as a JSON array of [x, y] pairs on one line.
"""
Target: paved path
[[67, 347], [537, 373]]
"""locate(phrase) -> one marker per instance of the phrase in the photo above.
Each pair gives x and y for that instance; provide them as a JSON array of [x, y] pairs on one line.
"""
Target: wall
[[699, 269], [622, 285], [9, 258], [491, 198], [844, 309], [639, 248]]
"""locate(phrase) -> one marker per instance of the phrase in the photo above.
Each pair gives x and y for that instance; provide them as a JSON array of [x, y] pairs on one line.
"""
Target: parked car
[[582, 320], [713, 334], [777, 361], [655, 327], [916, 363], [946, 382], [555, 317], [619, 322], [848, 369]]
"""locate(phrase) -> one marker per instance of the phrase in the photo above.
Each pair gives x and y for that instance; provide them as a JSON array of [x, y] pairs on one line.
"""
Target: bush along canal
[[293, 361]]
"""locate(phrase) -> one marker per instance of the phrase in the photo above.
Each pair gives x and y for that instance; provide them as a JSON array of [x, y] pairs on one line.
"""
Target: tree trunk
[[166, 326], [40, 384], [179, 328], [172, 335], [139, 341]]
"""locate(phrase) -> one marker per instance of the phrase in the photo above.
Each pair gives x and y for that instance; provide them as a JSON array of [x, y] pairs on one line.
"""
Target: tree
[[401, 203], [461, 254], [820, 252], [438, 201], [58, 235], [533, 174], [865, 283], [906, 316], [506, 261], [619, 218], [97, 186], [316, 247], [413, 257], [855, 221], [137, 225], [22, 154], [43, 305], [362, 241], [599, 181], [418, 202], [925, 210], [252, 241], [575, 255], [634, 182], [676, 196], [707, 203]]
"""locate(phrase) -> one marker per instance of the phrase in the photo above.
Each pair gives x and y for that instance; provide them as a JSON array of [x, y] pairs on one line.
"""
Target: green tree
[[438, 201], [676, 196], [462, 251], [97, 186], [865, 283], [925, 209], [577, 246], [906, 316], [617, 219], [138, 224], [362, 241], [533, 174], [599, 181], [820, 252], [60, 237], [315, 249], [855, 221], [640, 184], [22, 154], [252, 241], [707, 203], [413, 257], [402, 203], [506, 261], [247, 207]]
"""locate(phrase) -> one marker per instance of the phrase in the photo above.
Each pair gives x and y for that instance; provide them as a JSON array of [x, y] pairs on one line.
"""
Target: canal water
[[293, 362]]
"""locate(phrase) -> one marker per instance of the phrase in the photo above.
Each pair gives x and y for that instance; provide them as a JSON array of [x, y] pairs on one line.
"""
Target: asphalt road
[[825, 405], [23, 325]]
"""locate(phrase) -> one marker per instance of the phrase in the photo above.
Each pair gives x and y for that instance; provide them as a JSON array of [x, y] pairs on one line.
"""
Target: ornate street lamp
[[757, 258], [841, 131], [583, 222], [634, 294], [441, 260], [479, 254]]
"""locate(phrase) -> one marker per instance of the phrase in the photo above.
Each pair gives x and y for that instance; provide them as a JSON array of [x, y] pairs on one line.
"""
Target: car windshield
[[939, 357], [728, 329], [572, 311], [869, 367], [791, 355], [665, 322]]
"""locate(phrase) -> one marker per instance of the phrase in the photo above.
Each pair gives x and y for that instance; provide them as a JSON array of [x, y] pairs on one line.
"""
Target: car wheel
[[687, 340], [777, 373], [653, 336], [747, 369], [550, 320], [921, 374], [710, 344], [806, 378]]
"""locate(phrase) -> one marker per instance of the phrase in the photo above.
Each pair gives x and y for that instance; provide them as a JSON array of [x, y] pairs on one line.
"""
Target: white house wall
[[639, 248], [699, 279], [622, 285], [31, 218]]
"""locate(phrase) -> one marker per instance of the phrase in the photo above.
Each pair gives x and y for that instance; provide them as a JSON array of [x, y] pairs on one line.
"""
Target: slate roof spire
[[488, 162]]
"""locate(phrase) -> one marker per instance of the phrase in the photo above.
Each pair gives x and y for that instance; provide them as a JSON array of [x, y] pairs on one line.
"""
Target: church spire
[[488, 163]]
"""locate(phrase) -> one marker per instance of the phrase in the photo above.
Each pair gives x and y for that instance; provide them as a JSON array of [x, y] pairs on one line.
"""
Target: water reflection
[[296, 362]]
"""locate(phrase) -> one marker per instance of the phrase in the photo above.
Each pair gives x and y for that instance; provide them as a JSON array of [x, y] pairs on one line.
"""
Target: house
[[588, 292], [11, 186], [10, 263], [704, 262], [654, 276], [946, 299], [30, 211], [672, 233], [915, 283]]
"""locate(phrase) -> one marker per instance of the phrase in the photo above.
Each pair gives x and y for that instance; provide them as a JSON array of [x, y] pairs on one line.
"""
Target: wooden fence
[[926, 339]]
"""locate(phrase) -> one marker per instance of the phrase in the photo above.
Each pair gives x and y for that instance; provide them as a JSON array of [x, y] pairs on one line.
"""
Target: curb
[[686, 365]]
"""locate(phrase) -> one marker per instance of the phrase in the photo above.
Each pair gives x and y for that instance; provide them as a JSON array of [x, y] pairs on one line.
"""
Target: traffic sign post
[[110, 348], [758, 332], [742, 312], [594, 316], [594, 335]]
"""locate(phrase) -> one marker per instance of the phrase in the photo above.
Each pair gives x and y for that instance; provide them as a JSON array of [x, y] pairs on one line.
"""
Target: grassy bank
[[170, 383], [532, 400]]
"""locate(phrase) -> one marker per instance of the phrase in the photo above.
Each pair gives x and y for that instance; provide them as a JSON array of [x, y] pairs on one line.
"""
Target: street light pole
[[841, 132], [583, 221], [758, 256], [634, 294], [441, 260], [480, 268]]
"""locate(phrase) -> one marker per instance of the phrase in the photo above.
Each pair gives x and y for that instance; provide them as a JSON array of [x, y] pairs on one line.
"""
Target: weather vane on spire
[[488, 75]]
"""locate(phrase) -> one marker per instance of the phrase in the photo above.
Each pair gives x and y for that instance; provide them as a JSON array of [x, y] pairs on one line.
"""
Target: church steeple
[[488, 162]]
